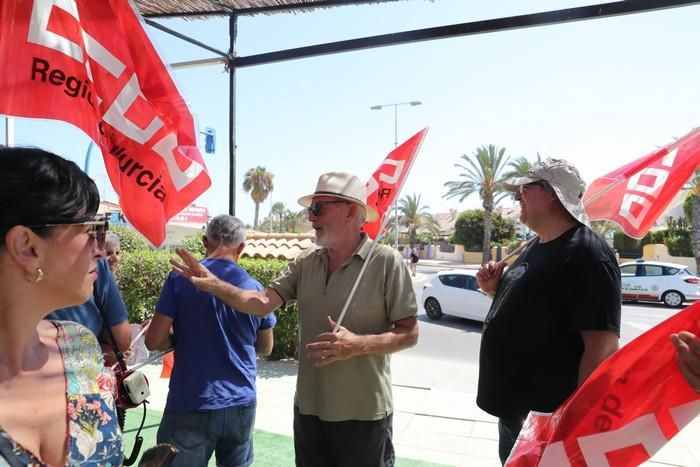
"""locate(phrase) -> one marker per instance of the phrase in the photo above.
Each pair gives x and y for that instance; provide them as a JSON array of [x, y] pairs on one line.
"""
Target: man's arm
[[158, 334], [598, 345], [252, 302], [264, 342], [331, 347]]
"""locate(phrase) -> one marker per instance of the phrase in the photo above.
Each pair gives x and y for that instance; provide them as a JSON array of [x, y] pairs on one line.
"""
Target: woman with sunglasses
[[57, 398]]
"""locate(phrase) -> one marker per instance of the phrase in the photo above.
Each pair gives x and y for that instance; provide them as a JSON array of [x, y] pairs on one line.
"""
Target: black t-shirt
[[531, 344]]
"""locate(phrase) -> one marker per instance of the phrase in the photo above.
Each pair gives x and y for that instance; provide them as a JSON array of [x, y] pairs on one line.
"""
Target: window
[[471, 283], [652, 270], [454, 280], [628, 271], [669, 271]]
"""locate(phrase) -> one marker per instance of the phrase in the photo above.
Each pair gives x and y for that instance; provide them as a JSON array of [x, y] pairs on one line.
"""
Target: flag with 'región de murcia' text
[[91, 64]]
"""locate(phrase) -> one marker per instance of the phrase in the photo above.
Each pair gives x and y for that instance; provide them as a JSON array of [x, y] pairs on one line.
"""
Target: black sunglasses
[[98, 229], [316, 207]]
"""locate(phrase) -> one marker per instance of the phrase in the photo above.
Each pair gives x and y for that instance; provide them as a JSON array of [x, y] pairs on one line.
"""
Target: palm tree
[[277, 210], [258, 182], [294, 218], [695, 215], [415, 217], [520, 166], [481, 174]]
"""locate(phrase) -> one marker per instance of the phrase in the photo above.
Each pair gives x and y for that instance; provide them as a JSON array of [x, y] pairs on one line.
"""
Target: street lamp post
[[396, 105]]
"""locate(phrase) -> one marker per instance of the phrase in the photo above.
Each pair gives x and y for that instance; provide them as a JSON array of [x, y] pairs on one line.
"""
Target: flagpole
[[374, 244]]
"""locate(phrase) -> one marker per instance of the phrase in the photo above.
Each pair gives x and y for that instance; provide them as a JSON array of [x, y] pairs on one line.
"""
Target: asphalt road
[[453, 338]]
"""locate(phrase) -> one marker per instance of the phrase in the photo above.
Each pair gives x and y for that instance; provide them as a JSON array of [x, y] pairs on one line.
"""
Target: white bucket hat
[[343, 186], [564, 178]]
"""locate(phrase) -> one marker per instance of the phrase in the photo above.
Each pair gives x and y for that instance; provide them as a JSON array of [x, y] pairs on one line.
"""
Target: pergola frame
[[232, 61]]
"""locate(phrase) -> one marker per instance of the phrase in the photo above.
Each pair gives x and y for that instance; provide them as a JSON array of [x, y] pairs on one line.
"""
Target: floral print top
[[94, 437]]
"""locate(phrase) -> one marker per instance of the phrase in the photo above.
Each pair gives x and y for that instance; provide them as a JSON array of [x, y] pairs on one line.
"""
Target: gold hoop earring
[[39, 275]]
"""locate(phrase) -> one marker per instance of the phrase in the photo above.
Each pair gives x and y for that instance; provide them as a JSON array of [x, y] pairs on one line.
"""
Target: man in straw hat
[[343, 404], [556, 310]]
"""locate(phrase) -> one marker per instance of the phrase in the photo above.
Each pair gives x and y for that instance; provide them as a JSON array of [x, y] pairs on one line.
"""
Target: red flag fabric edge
[[386, 182]]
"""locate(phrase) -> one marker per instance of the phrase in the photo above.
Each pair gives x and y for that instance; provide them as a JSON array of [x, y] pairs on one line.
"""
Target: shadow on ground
[[277, 368]]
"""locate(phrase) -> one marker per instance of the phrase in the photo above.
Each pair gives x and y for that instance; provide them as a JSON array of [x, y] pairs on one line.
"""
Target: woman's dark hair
[[39, 187]]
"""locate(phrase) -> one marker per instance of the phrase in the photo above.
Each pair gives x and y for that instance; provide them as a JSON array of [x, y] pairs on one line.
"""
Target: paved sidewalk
[[435, 419]]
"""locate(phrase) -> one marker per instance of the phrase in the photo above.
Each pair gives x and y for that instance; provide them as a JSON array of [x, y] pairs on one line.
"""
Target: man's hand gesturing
[[194, 271]]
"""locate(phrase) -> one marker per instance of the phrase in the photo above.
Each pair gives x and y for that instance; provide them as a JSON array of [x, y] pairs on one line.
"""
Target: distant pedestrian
[[556, 311], [343, 408], [212, 398], [414, 260], [617, 255]]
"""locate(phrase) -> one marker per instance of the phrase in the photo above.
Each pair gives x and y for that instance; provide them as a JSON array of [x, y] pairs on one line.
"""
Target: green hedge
[[143, 272]]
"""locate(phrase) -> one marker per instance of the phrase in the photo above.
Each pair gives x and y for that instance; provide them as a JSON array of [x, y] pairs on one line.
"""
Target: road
[[453, 338]]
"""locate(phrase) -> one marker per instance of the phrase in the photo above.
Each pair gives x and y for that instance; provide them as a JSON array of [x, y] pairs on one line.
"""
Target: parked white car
[[456, 293], [669, 283]]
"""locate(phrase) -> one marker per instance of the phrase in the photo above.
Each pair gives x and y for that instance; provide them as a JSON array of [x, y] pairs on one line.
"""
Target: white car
[[669, 283], [455, 293]]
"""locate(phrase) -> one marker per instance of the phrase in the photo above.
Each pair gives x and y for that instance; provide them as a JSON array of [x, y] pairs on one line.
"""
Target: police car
[[669, 283]]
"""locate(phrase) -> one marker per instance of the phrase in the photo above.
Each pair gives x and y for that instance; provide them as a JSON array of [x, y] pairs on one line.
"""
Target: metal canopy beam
[[603, 10], [232, 62]]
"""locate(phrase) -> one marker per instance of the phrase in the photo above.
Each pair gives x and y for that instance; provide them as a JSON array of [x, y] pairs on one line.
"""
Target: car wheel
[[673, 298], [432, 308]]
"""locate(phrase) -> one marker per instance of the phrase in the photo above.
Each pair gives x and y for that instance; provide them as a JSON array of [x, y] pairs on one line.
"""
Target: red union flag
[[90, 63], [636, 194], [385, 184], [630, 406]]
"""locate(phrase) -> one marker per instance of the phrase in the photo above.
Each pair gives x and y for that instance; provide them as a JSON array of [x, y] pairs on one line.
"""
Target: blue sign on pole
[[209, 140]]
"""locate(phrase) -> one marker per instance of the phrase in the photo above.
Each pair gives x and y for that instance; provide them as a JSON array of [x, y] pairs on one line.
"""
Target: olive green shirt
[[358, 388]]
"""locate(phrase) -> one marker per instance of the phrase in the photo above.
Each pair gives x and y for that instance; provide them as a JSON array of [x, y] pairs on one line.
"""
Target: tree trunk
[[257, 211], [695, 234], [488, 224]]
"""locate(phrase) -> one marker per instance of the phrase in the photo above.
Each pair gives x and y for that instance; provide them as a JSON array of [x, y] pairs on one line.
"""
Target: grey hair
[[227, 230], [112, 239]]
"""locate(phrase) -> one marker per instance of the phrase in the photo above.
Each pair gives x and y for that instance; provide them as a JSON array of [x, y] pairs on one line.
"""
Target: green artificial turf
[[271, 450]]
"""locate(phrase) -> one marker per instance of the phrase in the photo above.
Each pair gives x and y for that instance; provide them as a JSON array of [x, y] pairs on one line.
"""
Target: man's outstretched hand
[[194, 271]]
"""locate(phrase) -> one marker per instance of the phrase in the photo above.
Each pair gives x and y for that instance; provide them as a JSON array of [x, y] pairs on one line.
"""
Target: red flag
[[632, 404], [385, 184], [90, 63], [636, 194]]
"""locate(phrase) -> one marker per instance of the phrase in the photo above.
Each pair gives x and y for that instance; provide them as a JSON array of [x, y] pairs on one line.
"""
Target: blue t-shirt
[[106, 297], [214, 344]]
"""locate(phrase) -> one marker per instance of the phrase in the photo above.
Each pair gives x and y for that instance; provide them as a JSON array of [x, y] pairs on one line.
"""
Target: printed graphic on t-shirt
[[508, 281]]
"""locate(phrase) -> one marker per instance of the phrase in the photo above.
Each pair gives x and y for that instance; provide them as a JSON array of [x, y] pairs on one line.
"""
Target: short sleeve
[[268, 321], [286, 283], [595, 282], [167, 302], [400, 300], [111, 301]]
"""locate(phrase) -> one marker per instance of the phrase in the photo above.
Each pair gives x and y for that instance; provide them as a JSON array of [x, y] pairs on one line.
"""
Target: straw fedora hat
[[343, 186]]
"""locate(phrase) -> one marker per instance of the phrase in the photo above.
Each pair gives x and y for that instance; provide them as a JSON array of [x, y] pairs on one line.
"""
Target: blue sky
[[599, 93]]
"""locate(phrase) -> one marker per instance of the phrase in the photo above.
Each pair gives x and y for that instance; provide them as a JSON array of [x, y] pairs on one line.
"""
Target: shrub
[[129, 239], [143, 272], [469, 229], [141, 276], [193, 244]]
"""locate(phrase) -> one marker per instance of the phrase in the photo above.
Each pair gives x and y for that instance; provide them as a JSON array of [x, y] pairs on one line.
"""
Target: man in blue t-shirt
[[105, 308], [211, 403]]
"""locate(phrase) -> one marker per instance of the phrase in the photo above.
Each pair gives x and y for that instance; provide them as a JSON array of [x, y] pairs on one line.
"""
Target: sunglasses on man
[[316, 208], [98, 229]]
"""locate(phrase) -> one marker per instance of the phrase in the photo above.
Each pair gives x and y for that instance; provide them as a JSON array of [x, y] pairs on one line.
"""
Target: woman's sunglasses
[[98, 229]]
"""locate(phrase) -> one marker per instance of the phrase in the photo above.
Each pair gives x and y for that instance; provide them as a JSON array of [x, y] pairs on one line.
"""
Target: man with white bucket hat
[[343, 403], [556, 311]]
